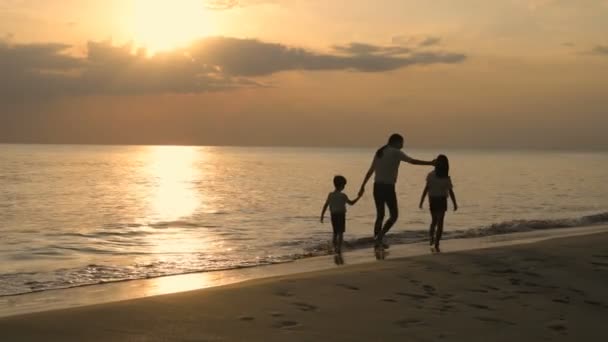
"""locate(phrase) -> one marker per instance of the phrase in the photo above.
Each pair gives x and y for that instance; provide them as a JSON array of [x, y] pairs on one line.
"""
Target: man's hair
[[393, 139]]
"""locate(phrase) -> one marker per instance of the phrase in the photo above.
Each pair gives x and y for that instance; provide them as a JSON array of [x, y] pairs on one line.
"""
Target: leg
[[339, 243], [440, 218], [393, 209], [379, 200], [335, 225], [432, 228], [334, 240]]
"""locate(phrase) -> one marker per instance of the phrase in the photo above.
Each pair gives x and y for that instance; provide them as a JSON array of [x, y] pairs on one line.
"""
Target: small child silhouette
[[336, 201]]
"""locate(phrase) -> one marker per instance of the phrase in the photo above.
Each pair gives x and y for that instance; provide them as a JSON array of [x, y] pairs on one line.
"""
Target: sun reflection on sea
[[173, 174]]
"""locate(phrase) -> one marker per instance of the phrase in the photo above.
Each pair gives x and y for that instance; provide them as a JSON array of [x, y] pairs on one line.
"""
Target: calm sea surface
[[79, 215]]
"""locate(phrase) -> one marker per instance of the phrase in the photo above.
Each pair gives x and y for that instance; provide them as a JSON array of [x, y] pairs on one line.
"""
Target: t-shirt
[[438, 187], [337, 202], [387, 166]]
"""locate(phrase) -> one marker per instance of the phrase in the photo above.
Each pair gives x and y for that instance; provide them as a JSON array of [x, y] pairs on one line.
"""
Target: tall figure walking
[[385, 166]]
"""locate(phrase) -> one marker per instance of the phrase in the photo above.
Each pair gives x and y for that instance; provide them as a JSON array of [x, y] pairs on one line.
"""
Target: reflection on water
[[173, 174], [165, 285]]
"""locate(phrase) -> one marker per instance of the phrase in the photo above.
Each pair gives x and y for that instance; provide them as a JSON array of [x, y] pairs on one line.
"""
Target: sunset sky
[[445, 73]]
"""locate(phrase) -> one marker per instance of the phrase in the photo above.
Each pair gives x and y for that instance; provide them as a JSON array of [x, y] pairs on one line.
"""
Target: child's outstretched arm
[[324, 209], [453, 197], [424, 192]]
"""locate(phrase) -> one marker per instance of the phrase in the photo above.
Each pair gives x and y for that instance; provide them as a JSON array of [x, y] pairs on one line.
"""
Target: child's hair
[[442, 167], [339, 182], [393, 139]]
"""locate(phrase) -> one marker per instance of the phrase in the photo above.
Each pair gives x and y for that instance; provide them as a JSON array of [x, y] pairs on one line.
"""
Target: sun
[[161, 25]]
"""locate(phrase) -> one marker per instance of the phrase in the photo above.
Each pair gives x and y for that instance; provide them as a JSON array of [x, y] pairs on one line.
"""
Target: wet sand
[[553, 290]]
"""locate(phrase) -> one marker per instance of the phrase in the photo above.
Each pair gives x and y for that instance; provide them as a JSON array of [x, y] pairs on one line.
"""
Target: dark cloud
[[430, 41], [210, 64], [368, 49], [601, 50], [420, 41]]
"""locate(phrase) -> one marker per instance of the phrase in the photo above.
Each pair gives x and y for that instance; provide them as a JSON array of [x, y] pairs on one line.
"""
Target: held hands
[[361, 192]]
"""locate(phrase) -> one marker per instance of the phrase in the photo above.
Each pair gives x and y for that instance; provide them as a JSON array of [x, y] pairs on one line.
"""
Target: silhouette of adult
[[385, 166]]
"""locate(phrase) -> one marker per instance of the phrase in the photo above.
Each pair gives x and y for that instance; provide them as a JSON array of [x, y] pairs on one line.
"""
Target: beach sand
[[553, 290]]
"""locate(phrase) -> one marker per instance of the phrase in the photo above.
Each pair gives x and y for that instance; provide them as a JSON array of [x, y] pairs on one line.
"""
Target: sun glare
[[161, 25], [173, 170]]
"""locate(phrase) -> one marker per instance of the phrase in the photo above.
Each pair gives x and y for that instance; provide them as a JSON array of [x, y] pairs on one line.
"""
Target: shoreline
[[553, 289], [141, 288]]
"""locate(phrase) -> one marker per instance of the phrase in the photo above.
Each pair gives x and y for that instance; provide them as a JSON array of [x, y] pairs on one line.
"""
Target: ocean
[[74, 215]]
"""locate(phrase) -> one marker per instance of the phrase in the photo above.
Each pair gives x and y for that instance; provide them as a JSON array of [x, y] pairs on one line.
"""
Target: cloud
[[601, 50], [210, 64], [251, 57], [429, 41], [420, 41], [368, 49]]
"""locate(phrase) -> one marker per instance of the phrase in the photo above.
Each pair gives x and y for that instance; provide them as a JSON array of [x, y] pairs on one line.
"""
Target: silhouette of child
[[438, 187], [336, 201]]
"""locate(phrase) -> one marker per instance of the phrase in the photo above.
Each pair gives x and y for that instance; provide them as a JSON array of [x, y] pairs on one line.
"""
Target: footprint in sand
[[286, 324], [515, 281], [562, 300], [490, 287], [504, 271], [558, 326], [446, 307], [527, 292], [493, 320], [276, 314], [305, 306], [480, 306], [580, 292], [246, 318], [284, 293], [429, 289], [479, 290], [412, 295], [510, 297], [407, 323], [389, 300], [592, 302], [350, 287], [532, 259]]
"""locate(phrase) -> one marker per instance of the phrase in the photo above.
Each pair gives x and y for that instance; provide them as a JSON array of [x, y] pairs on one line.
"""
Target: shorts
[[338, 222], [385, 194], [438, 203]]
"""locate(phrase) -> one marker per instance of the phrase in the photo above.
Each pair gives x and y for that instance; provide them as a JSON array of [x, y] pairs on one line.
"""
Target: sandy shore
[[551, 290]]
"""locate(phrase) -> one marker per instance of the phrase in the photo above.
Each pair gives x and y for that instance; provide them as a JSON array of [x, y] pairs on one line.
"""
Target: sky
[[444, 73]]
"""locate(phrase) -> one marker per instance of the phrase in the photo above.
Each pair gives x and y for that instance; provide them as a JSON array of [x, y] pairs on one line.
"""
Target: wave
[[23, 283], [506, 227]]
